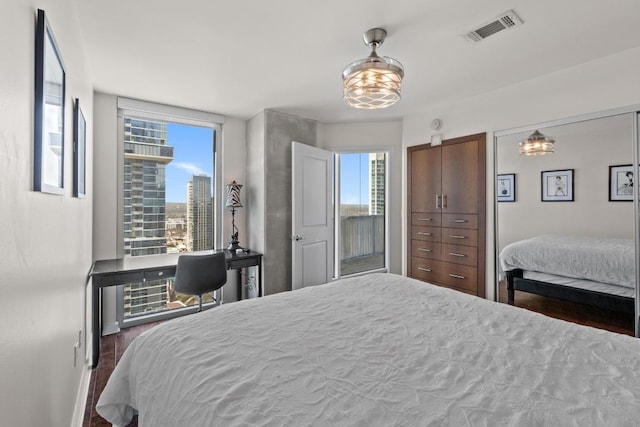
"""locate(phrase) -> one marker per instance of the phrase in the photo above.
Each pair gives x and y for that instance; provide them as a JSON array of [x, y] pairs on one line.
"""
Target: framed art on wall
[[79, 151], [48, 158], [621, 183], [506, 187], [557, 185]]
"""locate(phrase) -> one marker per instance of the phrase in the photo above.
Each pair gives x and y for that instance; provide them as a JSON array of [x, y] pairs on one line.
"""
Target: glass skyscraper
[[199, 214], [376, 183], [146, 155]]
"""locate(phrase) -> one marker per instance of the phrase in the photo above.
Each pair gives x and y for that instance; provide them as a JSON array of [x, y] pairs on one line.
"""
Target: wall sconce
[[233, 202]]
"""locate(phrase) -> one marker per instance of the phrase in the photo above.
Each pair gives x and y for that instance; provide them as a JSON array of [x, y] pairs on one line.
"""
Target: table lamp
[[233, 202]]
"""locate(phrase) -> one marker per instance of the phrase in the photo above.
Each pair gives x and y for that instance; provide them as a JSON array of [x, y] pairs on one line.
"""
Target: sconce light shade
[[537, 144], [233, 195], [373, 82]]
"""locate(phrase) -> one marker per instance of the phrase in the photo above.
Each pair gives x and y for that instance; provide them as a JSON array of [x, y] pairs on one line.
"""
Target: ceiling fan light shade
[[373, 82], [537, 144]]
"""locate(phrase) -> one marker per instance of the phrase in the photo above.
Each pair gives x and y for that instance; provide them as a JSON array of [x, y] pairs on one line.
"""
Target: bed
[[376, 350], [587, 270]]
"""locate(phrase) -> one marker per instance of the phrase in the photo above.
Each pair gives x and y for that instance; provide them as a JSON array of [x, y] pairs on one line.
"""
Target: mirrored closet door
[[567, 218]]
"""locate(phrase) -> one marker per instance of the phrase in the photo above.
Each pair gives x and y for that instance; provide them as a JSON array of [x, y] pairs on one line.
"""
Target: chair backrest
[[197, 274]]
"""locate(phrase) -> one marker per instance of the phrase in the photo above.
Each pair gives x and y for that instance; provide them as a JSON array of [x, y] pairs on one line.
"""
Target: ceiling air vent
[[505, 21]]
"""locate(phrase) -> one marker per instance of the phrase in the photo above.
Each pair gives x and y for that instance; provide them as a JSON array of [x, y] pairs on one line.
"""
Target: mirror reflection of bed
[[549, 243]]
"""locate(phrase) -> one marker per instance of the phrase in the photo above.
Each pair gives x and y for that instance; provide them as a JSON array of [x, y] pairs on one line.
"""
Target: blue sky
[[193, 155], [354, 179]]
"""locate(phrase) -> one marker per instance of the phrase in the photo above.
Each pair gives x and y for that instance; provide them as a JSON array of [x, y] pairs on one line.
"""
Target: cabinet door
[[460, 177], [426, 179]]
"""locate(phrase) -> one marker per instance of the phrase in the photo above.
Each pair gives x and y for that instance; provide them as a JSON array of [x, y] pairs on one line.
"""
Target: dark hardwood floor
[[622, 323], [111, 349], [114, 345]]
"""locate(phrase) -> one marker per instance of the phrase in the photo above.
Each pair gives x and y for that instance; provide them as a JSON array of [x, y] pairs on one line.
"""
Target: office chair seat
[[199, 274]]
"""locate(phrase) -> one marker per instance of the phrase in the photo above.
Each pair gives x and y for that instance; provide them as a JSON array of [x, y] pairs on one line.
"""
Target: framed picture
[[557, 185], [506, 187], [621, 183], [48, 164], [79, 151]]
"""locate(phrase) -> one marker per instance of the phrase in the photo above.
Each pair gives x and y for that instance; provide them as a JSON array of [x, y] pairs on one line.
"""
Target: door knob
[[297, 237]]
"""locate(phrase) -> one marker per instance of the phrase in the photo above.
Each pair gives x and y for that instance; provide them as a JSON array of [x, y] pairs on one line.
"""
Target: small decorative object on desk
[[233, 202]]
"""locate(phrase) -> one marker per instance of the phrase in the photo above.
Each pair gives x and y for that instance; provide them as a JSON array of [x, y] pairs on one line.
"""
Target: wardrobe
[[446, 200]]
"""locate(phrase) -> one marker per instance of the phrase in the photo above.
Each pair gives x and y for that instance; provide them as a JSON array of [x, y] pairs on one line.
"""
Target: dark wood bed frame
[[516, 281]]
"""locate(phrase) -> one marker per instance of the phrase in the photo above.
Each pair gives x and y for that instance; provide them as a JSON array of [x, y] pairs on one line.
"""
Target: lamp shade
[[233, 195], [537, 144], [373, 82]]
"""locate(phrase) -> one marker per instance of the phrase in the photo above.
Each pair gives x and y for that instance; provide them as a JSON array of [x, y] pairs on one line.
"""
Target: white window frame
[[154, 111], [338, 192]]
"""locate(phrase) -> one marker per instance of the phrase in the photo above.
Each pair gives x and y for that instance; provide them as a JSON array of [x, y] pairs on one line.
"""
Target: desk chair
[[198, 274]]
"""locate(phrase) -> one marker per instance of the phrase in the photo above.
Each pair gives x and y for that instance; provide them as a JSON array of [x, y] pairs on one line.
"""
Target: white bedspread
[[600, 260], [378, 350]]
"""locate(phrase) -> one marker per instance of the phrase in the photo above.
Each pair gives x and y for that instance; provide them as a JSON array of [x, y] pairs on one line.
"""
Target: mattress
[[375, 350], [609, 261]]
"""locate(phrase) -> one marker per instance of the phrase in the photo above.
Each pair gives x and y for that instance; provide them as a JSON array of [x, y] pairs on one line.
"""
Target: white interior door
[[312, 230]]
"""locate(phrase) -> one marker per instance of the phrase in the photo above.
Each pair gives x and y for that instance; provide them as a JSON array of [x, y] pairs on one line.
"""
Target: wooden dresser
[[447, 208]]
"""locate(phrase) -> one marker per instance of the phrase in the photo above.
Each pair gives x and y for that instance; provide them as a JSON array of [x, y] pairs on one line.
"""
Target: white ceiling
[[237, 57]]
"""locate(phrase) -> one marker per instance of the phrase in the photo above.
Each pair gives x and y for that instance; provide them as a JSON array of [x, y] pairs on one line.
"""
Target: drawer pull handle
[[425, 219], [428, 270], [458, 221], [160, 273], [457, 276], [455, 254], [423, 233], [455, 236], [424, 250]]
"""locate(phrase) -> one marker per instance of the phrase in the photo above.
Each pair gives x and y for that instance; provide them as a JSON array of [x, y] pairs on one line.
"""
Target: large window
[[362, 228], [168, 202]]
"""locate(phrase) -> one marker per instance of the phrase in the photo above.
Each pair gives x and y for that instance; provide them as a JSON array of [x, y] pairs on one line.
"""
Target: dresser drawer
[[425, 233], [425, 249], [426, 219], [461, 277], [459, 254], [163, 273], [425, 269], [460, 236], [460, 221]]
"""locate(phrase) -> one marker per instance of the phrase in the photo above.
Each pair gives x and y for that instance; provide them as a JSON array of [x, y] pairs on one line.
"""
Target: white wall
[[46, 239], [234, 154], [384, 136], [603, 84]]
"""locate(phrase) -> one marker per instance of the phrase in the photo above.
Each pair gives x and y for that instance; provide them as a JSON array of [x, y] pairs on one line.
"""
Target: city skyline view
[[188, 161], [188, 142]]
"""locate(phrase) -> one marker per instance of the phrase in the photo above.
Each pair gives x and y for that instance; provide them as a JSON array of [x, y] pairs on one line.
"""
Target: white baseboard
[[81, 398]]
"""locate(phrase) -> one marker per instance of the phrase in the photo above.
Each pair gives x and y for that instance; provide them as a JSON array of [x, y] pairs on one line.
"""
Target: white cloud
[[190, 167]]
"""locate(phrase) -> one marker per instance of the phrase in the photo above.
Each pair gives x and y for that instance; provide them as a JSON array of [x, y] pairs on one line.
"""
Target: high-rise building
[[199, 214], [376, 183], [146, 155]]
